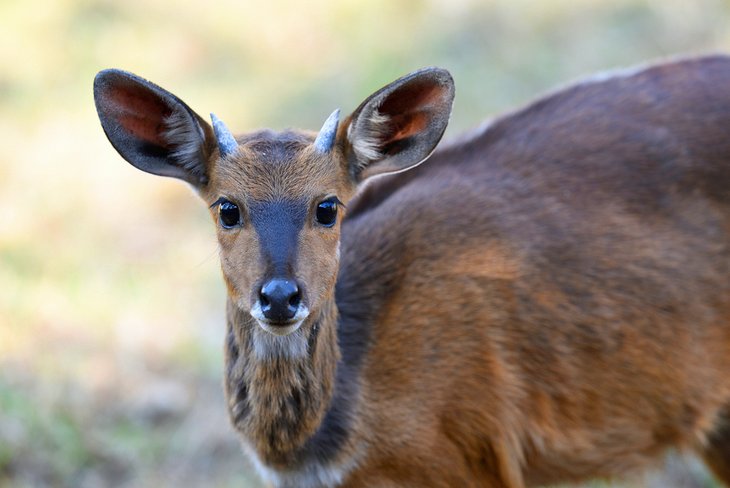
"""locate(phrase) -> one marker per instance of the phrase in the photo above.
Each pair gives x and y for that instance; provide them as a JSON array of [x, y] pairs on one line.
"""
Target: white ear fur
[[370, 133], [186, 138]]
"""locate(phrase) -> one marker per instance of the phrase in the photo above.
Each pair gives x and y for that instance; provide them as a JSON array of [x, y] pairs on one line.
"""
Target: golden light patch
[[489, 262]]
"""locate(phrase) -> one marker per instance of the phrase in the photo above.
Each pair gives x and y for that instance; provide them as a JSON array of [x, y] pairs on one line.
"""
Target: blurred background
[[111, 303]]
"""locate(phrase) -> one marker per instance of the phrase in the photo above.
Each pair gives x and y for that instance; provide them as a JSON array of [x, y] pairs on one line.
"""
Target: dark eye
[[327, 213], [228, 214]]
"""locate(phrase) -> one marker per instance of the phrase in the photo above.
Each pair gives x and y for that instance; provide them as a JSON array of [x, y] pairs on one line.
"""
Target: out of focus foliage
[[111, 307]]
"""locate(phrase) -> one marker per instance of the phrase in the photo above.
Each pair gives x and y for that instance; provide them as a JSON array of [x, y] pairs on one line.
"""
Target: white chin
[[280, 330]]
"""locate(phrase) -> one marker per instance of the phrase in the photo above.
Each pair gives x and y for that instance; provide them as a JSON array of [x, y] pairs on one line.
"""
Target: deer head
[[277, 198]]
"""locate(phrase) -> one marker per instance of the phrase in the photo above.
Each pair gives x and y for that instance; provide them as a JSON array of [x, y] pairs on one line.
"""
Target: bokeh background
[[111, 304]]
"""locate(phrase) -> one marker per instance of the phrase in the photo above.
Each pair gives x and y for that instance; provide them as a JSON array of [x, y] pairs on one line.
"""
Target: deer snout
[[280, 299]]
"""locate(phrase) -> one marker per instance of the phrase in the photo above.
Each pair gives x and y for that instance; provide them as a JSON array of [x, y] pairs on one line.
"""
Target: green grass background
[[111, 304]]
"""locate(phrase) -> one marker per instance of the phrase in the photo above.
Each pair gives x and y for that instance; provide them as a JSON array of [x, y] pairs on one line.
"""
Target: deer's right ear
[[153, 129]]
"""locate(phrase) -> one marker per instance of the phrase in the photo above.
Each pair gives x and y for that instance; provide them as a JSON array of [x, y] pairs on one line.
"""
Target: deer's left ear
[[398, 126]]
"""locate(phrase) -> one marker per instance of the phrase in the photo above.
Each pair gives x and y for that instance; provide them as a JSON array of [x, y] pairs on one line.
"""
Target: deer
[[545, 300]]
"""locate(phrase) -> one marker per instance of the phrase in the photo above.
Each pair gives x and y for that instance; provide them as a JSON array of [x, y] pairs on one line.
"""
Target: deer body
[[545, 300]]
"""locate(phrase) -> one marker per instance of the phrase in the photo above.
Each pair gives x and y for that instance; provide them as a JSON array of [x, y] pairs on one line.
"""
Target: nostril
[[264, 299], [295, 299]]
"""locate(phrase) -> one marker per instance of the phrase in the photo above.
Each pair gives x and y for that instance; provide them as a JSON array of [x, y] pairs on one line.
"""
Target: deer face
[[277, 204], [277, 199]]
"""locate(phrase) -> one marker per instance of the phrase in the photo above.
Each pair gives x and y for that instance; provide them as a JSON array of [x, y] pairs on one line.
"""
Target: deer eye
[[327, 213], [228, 214]]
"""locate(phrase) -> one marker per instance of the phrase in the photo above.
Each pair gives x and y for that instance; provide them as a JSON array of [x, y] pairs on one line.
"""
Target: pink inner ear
[[139, 112], [410, 108], [415, 96], [406, 125]]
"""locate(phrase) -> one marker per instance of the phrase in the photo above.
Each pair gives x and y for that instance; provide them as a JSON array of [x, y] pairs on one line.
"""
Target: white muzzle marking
[[279, 330]]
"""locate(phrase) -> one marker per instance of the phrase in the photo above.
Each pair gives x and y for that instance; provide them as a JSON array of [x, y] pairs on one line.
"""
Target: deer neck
[[279, 389]]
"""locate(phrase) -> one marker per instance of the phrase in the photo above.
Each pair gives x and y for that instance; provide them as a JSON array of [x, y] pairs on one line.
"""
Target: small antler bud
[[326, 138], [227, 144]]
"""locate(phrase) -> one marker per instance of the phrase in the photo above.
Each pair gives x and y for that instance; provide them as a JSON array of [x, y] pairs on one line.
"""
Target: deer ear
[[398, 126], [153, 129]]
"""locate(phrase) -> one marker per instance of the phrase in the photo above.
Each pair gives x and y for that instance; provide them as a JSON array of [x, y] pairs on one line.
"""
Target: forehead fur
[[273, 165]]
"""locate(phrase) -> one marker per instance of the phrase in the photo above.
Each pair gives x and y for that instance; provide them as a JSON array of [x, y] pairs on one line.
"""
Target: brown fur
[[563, 292], [544, 301]]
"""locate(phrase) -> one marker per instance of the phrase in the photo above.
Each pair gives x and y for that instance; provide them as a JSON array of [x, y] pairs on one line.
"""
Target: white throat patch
[[312, 475]]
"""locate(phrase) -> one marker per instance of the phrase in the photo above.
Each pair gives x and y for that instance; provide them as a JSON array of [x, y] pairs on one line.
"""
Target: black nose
[[279, 299]]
